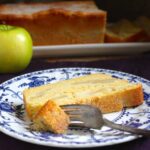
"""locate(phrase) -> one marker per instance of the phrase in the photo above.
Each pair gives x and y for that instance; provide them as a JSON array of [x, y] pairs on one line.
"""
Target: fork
[[90, 117]]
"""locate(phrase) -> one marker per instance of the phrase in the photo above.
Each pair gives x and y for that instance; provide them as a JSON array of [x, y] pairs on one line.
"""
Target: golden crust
[[86, 8], [114, 102], [51, 118]]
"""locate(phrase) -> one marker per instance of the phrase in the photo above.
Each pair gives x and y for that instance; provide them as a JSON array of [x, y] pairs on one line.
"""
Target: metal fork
[[87, 116]]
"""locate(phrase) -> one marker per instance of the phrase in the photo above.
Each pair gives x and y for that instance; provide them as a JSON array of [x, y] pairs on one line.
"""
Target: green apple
[[15, 49]]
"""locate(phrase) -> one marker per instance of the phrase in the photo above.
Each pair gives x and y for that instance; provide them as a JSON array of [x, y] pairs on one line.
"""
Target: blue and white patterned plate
[[13, 120]]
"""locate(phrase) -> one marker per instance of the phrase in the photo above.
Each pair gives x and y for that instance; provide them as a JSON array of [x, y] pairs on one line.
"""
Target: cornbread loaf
[[55, 23], [124, 31], [51, 118], [103, 91]]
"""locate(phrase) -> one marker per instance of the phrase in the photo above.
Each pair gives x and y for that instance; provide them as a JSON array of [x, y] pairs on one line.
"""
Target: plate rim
[[128, 44], [95, 68], [91, 49]]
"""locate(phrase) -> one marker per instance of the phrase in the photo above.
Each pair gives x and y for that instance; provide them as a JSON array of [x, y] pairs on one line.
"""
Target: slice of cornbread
[[124, 31], [103, 91], [51, 118], [144, 23]]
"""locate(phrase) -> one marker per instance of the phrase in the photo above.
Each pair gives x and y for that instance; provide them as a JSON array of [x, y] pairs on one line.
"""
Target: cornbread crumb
[[51, 118]]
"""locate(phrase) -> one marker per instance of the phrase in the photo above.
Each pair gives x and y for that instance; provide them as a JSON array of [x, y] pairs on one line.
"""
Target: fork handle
[[126, 128]]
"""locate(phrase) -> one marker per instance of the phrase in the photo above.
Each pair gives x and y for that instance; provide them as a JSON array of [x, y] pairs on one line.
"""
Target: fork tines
[[75, 113]]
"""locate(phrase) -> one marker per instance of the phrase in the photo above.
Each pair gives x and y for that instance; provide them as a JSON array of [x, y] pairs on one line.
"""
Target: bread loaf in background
[[73, 22], [144, 23], [125, 31], [54, 23]]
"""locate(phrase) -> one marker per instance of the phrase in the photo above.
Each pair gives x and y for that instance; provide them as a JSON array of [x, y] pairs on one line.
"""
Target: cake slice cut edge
[[105, 92], [52, 118]]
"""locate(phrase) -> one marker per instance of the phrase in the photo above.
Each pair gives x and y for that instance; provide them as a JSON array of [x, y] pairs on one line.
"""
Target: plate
[[13, 120], [91, 49]]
